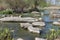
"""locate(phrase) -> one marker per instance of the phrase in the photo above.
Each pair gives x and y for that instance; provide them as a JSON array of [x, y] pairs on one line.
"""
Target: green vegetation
[[53, 34], [25, 3], [7, 11], [21, 4], [5, 34]]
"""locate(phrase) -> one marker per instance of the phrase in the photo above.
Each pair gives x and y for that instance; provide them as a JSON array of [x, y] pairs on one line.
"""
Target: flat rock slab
[[39, 38], [19, 39], [24, 19], [38, 23]]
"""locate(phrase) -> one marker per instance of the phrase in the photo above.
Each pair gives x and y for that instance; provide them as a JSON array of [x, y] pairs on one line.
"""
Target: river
[[25, 34]]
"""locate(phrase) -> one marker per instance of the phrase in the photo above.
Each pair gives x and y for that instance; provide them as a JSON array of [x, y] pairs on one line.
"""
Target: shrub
[[7, 11]]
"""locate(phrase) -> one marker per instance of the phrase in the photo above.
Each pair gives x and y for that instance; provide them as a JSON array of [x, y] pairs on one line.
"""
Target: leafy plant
[[7, 11], [5, 34], [52, 34]]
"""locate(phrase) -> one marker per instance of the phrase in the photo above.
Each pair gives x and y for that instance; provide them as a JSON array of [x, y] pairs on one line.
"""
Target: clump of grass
[[5, 34]]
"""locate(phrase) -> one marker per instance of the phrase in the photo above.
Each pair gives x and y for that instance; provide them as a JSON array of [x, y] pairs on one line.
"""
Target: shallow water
[[25, 34], [48, 21], [18, 31]]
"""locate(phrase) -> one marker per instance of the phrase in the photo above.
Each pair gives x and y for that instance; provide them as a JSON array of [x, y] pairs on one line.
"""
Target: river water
[[25, 34]]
